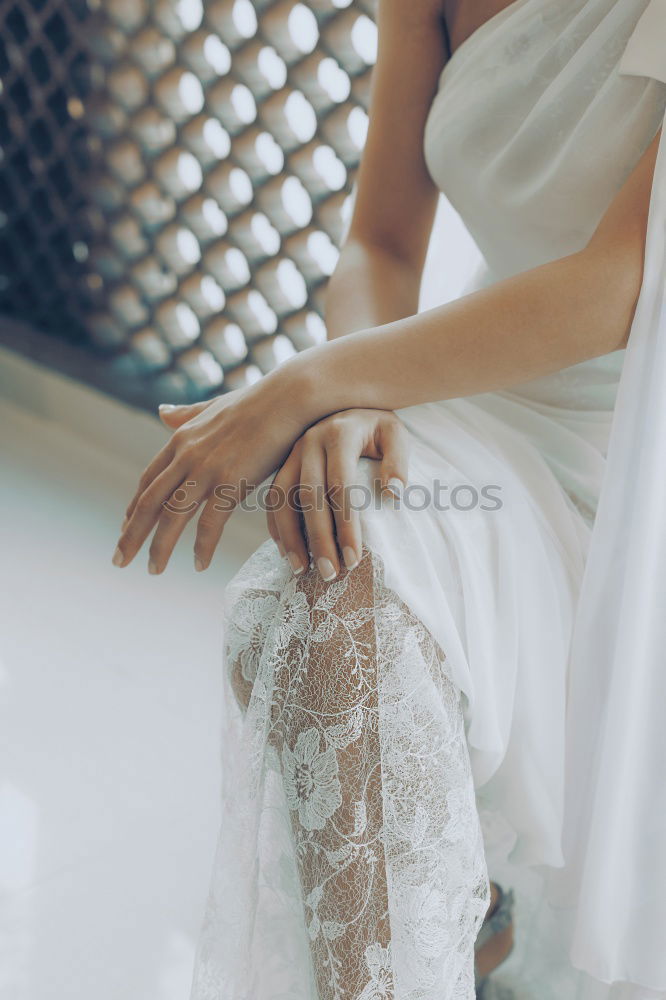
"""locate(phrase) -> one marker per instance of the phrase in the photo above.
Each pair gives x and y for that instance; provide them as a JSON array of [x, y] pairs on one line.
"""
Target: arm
[[573, 308], [566, 311], [378, 275], [377, 280], [539, 321], [369, 287], [544, 319]]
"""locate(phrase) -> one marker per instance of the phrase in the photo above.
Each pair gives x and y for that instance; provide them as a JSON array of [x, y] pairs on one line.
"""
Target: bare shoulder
[[396, 197]]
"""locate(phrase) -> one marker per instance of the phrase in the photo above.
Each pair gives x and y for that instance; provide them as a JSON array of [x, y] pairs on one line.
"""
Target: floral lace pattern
[[350, 864]]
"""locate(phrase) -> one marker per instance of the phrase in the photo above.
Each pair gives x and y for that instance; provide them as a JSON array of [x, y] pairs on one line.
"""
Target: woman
[[393, 665]]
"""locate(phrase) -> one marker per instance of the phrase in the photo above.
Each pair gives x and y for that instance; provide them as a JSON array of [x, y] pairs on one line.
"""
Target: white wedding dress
[[367, 721]]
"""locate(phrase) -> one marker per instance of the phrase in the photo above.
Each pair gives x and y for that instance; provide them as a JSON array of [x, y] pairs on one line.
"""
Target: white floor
[[109, 687]]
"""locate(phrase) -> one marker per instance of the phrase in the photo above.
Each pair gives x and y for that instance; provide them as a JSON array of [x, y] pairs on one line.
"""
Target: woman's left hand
[[320, 474]]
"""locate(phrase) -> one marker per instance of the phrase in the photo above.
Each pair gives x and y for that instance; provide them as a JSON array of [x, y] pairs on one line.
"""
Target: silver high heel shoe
[[501, 919]]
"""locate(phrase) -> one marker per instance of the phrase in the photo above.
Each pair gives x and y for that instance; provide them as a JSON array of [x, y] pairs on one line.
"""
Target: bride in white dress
[[371, 714]]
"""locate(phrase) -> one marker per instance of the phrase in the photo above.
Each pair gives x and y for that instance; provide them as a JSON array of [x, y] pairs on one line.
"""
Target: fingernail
[[326, 568], [395, 486], [117, 557], [152, 567], [295, 563], [349, 556], [198, 565], [280, 547], [166, 407], [124, 524]]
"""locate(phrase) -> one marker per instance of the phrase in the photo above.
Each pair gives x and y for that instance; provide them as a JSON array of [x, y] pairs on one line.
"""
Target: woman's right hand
[[219, 451], [321, 469]]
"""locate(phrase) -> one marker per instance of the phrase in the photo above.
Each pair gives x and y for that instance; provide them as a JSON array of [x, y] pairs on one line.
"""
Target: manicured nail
[[118, 557], [395, 486], [198, 565], [326, 568], [349, 556], [152, 567], [124, 524], [295, 563], [280, 547]]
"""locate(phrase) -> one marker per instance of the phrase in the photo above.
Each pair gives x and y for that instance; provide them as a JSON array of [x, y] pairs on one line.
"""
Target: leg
[[369, 733], [326, 726]]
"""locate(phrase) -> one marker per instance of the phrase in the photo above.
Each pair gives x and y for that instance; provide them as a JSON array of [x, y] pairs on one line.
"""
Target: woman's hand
[[220, 450], [321, 469]]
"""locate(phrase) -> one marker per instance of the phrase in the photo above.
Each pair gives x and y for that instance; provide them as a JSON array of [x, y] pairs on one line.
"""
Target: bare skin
[[463, 17]]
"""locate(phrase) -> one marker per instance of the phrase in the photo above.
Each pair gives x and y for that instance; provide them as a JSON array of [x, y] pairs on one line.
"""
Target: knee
[[312, 634], [329, 638]]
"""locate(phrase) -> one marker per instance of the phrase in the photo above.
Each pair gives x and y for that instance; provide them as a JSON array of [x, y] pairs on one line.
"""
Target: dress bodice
[[532, 130]]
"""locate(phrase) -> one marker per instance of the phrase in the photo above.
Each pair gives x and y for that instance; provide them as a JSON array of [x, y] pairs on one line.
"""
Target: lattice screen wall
[[175, 179]]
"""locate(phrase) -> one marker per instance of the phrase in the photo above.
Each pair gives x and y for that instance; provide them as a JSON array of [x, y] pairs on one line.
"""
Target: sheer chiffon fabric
[[367, 720]]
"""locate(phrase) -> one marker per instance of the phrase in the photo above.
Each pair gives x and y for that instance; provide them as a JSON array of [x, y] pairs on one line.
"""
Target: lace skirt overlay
[[350, 863]]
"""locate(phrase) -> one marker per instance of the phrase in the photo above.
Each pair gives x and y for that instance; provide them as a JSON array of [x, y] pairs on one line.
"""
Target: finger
[[393, 441], [180, 508], [147, 510], [272, 527], [210, 526], [341, 467], [272, 501], [149, 474], [317, 514], [287, 515], [173, 414]]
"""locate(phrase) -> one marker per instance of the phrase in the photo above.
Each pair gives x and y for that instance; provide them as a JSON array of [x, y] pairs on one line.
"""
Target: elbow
[[618, 278], [618, 243], [628, 278]]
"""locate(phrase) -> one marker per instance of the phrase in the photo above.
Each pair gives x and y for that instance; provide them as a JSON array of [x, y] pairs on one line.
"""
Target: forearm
[[368, 288], [539, 321]]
